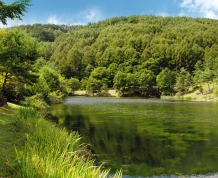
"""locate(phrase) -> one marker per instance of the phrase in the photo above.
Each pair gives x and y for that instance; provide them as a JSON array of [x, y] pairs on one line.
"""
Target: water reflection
[[145, 137]]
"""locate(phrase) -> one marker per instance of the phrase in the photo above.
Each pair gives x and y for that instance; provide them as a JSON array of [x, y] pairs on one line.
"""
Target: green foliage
[[165, 81], [205, 73], [93, 85], [131, 83], [18, 52], [120, 82], [84, 82], [12, 11], [110, 73], [28, 112], [74, 84], [199, 67], [146, 81], [51, 86], [215, 91], [50, 77], [39, 64], [55, 97], [50, 151], [129, 45], [183, 80], [36, 101], [100, 73]]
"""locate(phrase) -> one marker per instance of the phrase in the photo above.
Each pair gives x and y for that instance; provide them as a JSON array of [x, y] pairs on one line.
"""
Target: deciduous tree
[[165, 81], [18, 52]]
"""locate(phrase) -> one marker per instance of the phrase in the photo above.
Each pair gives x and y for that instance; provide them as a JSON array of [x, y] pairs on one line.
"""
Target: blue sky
[[72, 12]]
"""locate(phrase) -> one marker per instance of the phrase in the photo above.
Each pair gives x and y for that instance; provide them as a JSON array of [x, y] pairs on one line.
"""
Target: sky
[[80, 12]]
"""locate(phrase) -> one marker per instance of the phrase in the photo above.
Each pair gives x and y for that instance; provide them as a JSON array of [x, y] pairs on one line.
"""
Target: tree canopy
[[13, 10], [135, 44], [18, 52], [136, 55]]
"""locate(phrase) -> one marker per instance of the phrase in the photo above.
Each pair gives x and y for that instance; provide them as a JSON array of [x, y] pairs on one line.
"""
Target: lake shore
[[193, 96], [112, 93], [34, 147]]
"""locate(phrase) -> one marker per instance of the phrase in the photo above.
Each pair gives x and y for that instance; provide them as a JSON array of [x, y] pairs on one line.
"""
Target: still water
[[146, 138]]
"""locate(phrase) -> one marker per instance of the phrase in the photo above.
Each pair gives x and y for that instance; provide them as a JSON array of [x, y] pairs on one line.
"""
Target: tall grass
[[51, 152]]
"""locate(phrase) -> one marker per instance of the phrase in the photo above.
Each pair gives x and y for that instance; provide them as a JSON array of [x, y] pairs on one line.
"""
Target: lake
[[145, 137]]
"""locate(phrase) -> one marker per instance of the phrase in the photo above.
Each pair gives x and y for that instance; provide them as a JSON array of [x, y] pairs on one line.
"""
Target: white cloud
[[93, 15], [16, 22], [83, 17], [53, 19], [207, 8], [26, 20], [80, 18], [89, 15], [9, 24]]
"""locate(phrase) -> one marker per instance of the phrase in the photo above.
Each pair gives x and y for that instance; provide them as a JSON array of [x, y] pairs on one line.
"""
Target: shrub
[[36, 101], [55, 97]]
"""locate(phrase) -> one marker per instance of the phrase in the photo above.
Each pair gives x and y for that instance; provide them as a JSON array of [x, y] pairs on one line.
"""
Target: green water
[[146, 137]]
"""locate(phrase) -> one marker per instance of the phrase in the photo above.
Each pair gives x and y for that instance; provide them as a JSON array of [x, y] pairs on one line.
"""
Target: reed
[[51, 152]]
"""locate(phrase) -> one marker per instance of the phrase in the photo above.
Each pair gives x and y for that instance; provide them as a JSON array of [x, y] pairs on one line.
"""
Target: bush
[[36, 101], [55, 97]]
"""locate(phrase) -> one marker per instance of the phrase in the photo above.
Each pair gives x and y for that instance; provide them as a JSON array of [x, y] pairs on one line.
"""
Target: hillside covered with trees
[[137, 56]]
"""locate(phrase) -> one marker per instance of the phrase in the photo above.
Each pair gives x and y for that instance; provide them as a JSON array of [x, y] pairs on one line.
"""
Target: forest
[[145, 56]]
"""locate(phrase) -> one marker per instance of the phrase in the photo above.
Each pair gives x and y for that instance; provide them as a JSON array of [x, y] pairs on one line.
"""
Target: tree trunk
[[3, 100], [4, 83]]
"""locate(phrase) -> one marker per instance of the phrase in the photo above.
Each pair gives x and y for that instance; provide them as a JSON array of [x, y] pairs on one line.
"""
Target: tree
[[74, 84], [152, 65], [146, 81], [93, 85], [18, 52], [207, 76], [205, 72], [120, 82], [111, 71], [51, 85], [131, 84], [73, 64], [50, 77], [12, 11], [183, 80], [199, 68], [165, 81]]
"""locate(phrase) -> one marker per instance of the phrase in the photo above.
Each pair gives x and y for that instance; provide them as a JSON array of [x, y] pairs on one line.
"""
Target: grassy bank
[[9, 137], [206, 94], [44, 150]]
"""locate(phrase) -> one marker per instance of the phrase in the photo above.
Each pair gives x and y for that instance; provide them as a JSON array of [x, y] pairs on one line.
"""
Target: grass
[[42, 149], [206, 95], [9, 138]]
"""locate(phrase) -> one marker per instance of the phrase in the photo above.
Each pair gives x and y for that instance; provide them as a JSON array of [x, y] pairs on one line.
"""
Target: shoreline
[[31, 146]]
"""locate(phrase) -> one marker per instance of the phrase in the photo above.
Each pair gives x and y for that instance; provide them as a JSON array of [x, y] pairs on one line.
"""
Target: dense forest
[[137, 56]]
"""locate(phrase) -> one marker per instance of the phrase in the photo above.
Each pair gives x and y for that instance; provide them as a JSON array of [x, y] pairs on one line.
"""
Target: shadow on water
[[146, 137]]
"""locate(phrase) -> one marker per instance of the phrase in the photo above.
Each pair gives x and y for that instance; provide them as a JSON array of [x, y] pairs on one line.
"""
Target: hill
[[135, 55]]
